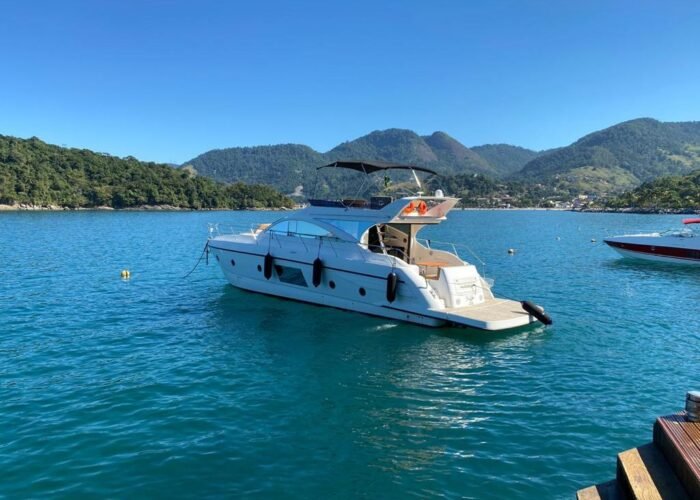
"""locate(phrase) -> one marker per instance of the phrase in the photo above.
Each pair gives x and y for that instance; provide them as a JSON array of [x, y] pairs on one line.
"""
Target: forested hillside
[[285, 166], [291, 165], [35, 173], [438, 151], [508, 159], [605, 163], [619, 157], [671, 192]]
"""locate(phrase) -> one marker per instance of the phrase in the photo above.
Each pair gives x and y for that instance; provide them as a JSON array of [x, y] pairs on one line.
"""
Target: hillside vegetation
[[619, 157], [667, 193], [606, 162], [509, 159], [603, 164], [289, 166], [35, 173], [285, 166]]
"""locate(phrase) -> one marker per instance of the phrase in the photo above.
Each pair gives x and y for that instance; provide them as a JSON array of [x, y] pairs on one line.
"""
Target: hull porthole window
[[331, 284], [233, 262], [363, 292], [259, 268]]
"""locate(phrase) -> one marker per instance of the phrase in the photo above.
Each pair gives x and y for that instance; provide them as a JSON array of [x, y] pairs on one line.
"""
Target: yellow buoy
[[125, 274]]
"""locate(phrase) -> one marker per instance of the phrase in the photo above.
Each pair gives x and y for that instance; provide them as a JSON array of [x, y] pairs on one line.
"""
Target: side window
[[280, 227], [353, 228], [310, 230], [299, 228]]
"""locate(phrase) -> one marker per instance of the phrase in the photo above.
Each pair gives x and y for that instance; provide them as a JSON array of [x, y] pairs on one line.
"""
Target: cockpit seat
[[430, 269]]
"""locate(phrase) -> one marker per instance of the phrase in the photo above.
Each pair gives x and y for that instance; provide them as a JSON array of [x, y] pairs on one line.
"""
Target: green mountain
[[286, 166], [438, 151], [455, 158], [403, 146], [669, 192], [609, 161], [508, 159], [35, 173], [290, 166], [619, 157]]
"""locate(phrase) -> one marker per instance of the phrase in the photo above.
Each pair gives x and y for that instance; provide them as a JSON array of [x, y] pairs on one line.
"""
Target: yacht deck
[[492, 314]]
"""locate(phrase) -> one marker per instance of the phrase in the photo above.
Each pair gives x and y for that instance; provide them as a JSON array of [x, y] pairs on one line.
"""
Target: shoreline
[[24, 207], [642, 211]]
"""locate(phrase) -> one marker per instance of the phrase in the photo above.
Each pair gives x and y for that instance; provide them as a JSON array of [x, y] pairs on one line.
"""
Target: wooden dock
[[666, 468]]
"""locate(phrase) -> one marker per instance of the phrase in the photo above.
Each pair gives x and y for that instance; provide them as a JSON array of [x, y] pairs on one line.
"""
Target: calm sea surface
[[173, 387]]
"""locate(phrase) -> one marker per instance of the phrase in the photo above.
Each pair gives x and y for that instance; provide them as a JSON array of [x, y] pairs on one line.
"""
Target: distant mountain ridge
[[620, 157], [608, 161], [510, 159], [288, 166]]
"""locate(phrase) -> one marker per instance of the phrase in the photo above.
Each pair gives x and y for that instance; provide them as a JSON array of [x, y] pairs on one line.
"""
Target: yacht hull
[[339, 288], [362, 291]]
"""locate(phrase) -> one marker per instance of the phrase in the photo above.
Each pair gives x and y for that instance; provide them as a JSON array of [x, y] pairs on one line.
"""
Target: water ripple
[[160, 386]]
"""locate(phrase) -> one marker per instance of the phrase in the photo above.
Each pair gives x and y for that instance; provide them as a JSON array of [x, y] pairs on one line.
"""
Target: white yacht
[[364, 255]]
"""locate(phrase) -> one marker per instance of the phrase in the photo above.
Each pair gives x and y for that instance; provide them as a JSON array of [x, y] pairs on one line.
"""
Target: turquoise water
[[164, 386]]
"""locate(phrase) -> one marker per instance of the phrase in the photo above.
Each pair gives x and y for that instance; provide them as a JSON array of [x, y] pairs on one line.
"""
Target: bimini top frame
[[370, 167]]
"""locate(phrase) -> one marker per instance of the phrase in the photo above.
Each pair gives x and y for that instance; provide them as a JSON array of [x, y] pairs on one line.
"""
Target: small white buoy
[[511, 251], [592, 240], [125, 274], [558, 238]]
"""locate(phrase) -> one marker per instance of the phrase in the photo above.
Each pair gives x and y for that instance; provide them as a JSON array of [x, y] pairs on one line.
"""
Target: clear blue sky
[[168, 80]]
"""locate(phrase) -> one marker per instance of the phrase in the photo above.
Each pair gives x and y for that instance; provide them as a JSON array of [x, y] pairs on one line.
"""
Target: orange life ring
[[422, 207], [409, 208]]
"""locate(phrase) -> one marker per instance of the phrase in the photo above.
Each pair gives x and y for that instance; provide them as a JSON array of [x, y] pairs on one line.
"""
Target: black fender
[[536, 311], [268, 266], [392, 283], [317, 271]]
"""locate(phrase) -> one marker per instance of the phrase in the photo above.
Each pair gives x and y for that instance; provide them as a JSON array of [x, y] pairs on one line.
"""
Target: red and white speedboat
[[678, 246]]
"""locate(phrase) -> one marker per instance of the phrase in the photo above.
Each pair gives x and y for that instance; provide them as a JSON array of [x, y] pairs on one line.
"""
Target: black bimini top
[[369, 167]]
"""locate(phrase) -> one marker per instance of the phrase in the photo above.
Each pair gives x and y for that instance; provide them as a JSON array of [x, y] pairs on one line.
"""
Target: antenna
[[416, 178]]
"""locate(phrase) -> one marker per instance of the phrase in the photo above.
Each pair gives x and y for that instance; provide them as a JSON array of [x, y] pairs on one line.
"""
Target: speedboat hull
[[676, 248]]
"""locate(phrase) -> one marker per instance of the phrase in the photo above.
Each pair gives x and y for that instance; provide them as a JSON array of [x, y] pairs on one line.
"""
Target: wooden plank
[[647, 475], [432, 263], [602, 491], [679, 441], [693, 431], [590, 493], [635, 477]]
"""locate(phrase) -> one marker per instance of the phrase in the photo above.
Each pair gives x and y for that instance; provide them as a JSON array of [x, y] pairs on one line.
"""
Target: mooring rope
[[206, 250]]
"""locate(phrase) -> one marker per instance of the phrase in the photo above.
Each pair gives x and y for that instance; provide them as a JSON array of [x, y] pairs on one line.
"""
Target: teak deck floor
[[680, 442]]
